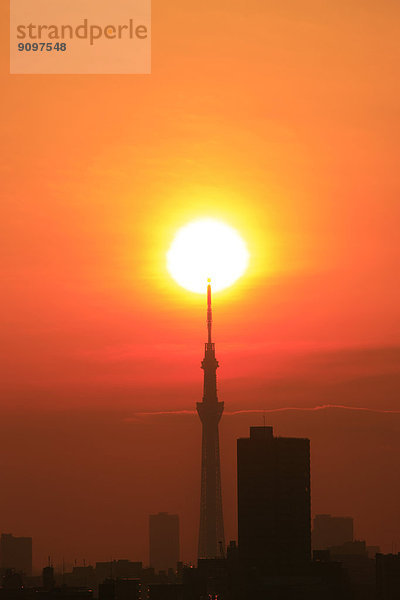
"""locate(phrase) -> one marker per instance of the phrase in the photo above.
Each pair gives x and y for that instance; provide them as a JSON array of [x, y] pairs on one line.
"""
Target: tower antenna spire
[[209, 310]]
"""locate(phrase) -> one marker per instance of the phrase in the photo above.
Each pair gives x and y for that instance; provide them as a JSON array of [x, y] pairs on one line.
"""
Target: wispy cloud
[[267, 410]]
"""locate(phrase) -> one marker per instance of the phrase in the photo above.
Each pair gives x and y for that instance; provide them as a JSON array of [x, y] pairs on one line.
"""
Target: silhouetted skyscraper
[[164, 541], [211, 535], [387, 576], [331, 531], [16, 553], [274, 518]]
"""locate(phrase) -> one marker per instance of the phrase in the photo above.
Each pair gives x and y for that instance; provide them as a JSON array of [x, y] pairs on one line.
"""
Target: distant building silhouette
[[81, 576], [11, 582], [211, 534], [164, 541], [117, 569], [331, 531], [354, 548], [274, 521], [16, 553], [14, 588], [209, 580], [48, 579]]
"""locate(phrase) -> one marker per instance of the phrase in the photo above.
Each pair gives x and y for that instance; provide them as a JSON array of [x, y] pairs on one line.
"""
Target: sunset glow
[[207, 249]]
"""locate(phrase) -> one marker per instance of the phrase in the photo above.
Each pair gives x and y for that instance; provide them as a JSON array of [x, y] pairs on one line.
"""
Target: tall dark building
[[164, 541], [16, 553], [211, 535], [387, 576], [331, 531], [274, 517]]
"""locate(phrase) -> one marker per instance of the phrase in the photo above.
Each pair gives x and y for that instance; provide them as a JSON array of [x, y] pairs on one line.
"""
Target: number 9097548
[[42, 47]]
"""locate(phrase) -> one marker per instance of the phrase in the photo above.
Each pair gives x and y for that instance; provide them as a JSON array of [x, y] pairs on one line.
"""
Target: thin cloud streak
[[268, 410]]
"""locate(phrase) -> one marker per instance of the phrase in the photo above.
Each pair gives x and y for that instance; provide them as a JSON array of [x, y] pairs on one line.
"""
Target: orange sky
[[280, 118]]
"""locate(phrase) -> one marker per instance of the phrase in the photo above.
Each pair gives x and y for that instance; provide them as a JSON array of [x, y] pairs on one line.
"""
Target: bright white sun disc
[[207, 249]]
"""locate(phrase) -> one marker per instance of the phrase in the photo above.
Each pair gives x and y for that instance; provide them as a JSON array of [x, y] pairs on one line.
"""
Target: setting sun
[[207, 249]]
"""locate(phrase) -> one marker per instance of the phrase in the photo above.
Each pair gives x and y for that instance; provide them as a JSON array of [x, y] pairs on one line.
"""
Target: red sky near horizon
[[281, 120]]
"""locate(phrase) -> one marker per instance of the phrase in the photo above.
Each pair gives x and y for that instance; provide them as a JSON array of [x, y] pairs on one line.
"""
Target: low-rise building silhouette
[[13, 588], [16, 553], [48, 578], [118, 569]]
